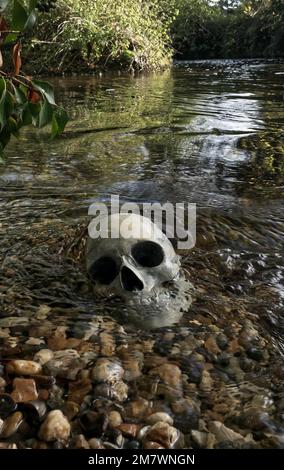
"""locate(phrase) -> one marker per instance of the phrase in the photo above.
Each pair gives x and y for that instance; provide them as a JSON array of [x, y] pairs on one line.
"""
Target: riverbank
[[131, 35]]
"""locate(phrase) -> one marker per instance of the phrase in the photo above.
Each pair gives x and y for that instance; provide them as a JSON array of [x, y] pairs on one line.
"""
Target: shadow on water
[[206, 132]]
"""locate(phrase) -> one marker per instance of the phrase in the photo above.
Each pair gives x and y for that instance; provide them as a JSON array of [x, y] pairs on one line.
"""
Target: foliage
[[131, 34], [229, 28], [23, 99]]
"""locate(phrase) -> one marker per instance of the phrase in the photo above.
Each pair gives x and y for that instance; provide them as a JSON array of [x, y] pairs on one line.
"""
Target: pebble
[[137, 409], [164, 434], [8, 445], [255, 419], [7, 405], [107, 371], [159, 417], [24, 390], [170, 374], [254, 353], [71, 409], [2, 384], [117, 391], [199, 438], [222, 341], [78, 390], [55, 427], [206, 382], [223, 433], [186, 414], [129, 429], [114, 419], [80, 442], [43, 356], [65, 364], [11, 424], [211, 345], [95, 443], [132, 369], [22, 367]]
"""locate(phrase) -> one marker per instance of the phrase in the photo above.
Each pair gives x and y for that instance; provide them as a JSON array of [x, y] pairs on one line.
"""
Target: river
[[210, 133]]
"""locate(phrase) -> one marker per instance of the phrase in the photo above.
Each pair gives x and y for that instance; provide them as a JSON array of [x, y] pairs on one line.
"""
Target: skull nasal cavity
[[104, 270], [129, 280], [148, 254]]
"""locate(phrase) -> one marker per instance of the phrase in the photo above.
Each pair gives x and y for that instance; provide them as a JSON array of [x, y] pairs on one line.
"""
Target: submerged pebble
[[22, 367], [55, 427]]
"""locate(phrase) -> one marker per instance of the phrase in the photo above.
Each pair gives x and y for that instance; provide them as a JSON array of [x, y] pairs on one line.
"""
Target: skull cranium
[[137, 263]]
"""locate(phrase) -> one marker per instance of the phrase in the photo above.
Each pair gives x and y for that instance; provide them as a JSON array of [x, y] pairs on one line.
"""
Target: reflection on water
[[209, 133]]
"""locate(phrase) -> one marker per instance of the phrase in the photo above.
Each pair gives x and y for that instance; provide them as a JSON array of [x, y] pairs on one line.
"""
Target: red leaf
[[1, 59], [33, 96], [17, 61]]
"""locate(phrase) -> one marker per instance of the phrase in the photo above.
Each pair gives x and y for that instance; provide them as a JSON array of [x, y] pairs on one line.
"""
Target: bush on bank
[[85, 34]]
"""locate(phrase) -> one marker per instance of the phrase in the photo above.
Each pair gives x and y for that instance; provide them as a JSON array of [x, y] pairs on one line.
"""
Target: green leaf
[[35, 110], [3, 93], [26, 116], [45, 115], [59, 121], [20, 95], [3, 5], [19, 16], [46, 89]]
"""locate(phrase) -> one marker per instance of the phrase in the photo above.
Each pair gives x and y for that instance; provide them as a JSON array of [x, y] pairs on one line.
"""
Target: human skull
[[139, 260]]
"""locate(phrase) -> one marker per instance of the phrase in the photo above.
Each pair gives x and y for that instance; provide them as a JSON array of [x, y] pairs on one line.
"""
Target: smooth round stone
[[159, 417], [137, 408], [129, 429], [65, 364], [7, 405], [55, 427], [80, 442], [34, 411], [43, 356], [114, 419], [164, 434], [24, 390], [132, 445], [254, 353], [107, 371], [22, 367], [95, 443], [11, 424], [170, 374], [117, 391]]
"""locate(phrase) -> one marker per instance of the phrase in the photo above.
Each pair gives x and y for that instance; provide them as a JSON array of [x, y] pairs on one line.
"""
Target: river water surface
[[209, 133]]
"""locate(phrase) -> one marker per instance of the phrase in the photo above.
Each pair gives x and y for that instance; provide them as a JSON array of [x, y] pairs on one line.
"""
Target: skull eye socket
[[148, 254], [104, 270]]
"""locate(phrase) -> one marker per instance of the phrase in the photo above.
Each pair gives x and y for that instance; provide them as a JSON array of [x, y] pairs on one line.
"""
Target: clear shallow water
[[173, 136], [206, 132]]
